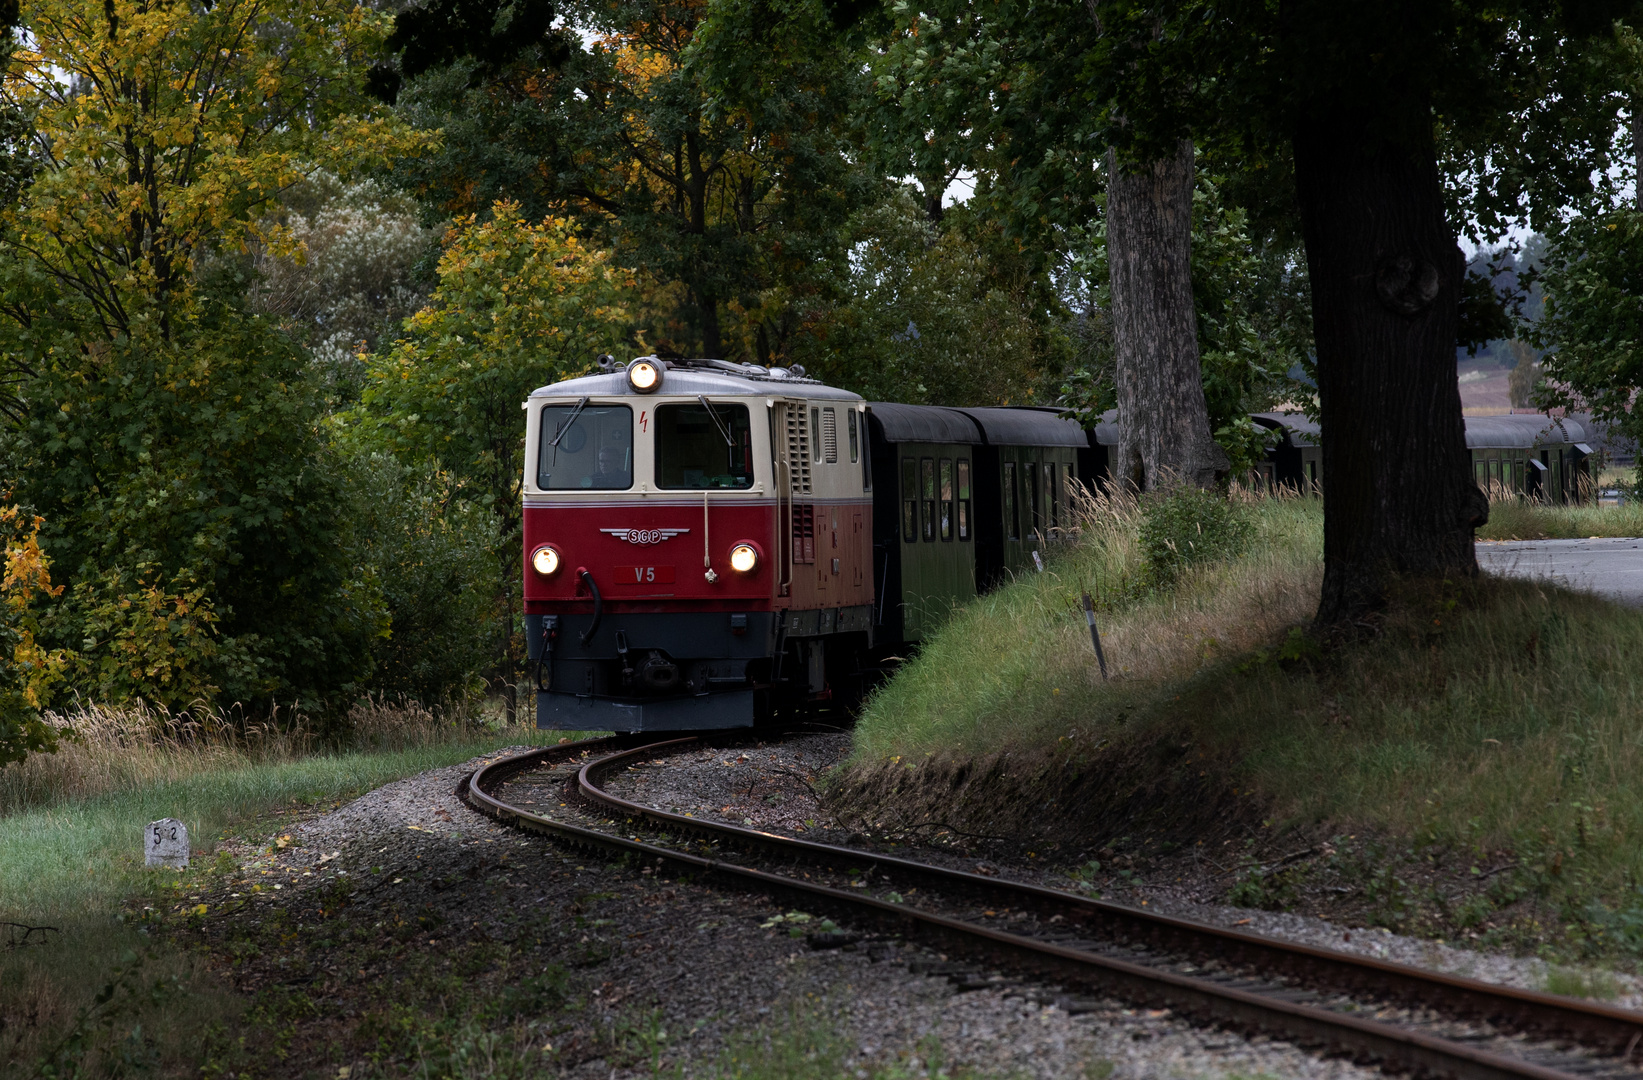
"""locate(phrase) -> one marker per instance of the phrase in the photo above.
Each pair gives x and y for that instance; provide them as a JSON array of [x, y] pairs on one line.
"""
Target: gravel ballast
[[660, 974], [784, 799]]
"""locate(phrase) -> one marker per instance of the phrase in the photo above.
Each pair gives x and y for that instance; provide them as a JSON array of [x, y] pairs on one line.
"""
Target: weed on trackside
[[1480, 743]]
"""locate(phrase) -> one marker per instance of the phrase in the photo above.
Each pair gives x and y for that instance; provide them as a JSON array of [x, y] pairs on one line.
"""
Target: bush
[[431, 552], [193, 464], [1186, 527], [27, 672]]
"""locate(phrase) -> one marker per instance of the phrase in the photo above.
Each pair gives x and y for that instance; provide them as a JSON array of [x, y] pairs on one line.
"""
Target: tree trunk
[[1399, 497], [1161, 408], [712, 339]]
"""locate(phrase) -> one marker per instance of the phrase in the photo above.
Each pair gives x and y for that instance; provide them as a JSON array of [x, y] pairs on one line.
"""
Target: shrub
[[1185, 527], [27, 672], [151, 642], [432, 553], [197, 458]]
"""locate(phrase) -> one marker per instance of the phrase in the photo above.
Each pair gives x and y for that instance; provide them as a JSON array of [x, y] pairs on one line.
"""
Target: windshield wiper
[[720, 424], [566, 426]]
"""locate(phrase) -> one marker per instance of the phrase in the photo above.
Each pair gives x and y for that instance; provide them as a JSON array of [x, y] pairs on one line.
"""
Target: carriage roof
[[1521, 431]]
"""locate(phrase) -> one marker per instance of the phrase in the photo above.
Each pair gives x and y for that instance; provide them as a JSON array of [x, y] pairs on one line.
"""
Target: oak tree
[[1405, 121]]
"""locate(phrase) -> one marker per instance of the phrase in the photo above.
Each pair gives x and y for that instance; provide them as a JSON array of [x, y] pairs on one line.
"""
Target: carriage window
[[697, 449], [909, 500], [927, 483], [1055, 501], [1011, 529], [946, 498], [595, 448], [1029, 495], [852, 416], [964, 498]]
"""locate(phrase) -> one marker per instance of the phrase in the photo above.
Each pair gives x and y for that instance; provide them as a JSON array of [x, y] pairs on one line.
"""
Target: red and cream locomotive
[[698, 544]]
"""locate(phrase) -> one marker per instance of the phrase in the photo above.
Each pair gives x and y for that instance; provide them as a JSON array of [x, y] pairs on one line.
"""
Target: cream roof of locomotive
[[689, 382]]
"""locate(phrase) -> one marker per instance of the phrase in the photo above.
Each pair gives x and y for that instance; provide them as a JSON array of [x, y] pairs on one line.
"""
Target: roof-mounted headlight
[[645, 374]]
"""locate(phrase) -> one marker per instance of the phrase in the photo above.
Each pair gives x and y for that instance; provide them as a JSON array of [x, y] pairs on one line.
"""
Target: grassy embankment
[[71, 859], [1489, 729]]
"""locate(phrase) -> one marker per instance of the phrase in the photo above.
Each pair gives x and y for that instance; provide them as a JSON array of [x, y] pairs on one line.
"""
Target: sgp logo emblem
[[644, 536]]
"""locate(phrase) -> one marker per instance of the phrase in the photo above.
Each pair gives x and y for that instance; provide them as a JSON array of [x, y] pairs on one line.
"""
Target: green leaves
[[28, 672], [146, 641], [1593, 319], [951, 316], [1188, 527], [191, 472], [518, 305]]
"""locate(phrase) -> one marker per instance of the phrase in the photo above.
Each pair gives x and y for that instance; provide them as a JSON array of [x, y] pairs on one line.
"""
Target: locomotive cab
[[695, 545]]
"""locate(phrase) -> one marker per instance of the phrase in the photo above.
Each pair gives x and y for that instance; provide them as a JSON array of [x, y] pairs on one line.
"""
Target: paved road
[[1611, 568]]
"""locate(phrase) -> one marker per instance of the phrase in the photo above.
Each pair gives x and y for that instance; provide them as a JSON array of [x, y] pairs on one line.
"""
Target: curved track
[[1457, 1027]]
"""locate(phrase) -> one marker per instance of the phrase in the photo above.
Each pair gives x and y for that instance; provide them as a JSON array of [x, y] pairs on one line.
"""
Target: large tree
[[1406, 121], [1593, 318], [995, 89], [170, 441], [707, 150], [1161, 405]]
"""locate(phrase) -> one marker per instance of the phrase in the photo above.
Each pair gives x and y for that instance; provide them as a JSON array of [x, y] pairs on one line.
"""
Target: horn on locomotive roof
[[607, 362]]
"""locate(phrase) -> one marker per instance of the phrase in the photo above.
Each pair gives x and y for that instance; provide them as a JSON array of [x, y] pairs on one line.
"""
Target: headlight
[[545, 561], [645, 375], [744, 558]]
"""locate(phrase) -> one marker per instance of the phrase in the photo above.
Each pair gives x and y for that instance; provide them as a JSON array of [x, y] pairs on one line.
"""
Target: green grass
[[99, 989], [1031, 676], [84, 856], [1485, 722], [1574, 982]]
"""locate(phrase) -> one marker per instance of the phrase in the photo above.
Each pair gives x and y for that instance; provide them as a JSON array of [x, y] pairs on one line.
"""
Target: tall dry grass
[[122, 748], [1514, 517], [1017, 667]]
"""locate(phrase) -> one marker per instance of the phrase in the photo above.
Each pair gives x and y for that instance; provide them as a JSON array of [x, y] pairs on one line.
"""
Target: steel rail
[[1396, 1047], [1602, 1028]]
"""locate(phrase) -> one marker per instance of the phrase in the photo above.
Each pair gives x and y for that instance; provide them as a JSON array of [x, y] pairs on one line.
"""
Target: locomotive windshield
[[585, 446], [706, 445]]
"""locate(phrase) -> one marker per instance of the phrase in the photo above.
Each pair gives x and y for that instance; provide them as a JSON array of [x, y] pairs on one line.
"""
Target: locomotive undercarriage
[[666, 671]]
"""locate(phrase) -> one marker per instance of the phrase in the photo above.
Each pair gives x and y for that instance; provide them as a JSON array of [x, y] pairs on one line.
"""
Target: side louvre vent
[[830, 436], [804, 534], [798, 448]]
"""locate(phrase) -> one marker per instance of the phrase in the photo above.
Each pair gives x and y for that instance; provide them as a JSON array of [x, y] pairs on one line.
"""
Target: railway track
[[1404, 1018]]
